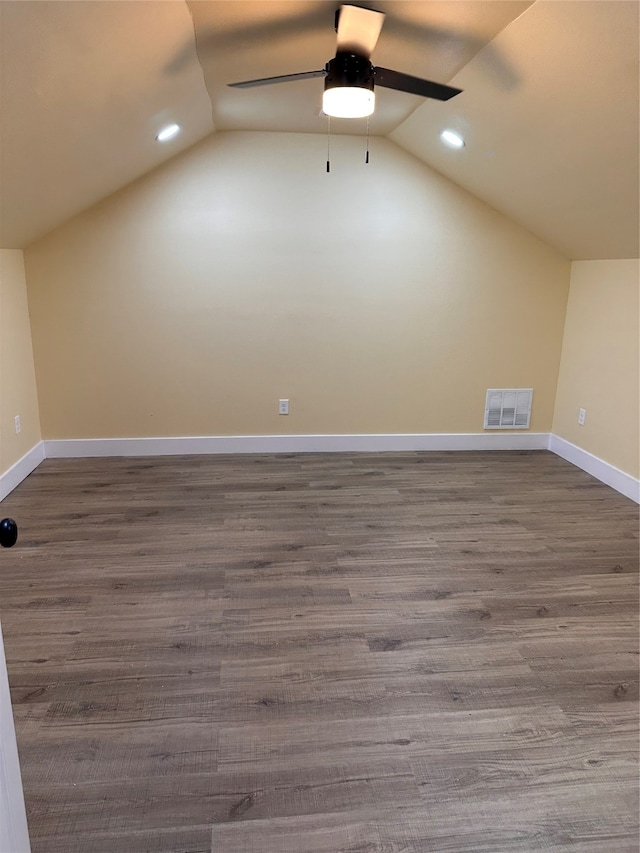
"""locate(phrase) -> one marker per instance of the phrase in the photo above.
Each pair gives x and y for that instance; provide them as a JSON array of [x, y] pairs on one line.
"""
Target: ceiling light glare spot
[[168, 132], [452, 139]]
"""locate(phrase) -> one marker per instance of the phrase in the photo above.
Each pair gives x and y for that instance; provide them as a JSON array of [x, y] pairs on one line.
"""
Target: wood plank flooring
[[331, 653]]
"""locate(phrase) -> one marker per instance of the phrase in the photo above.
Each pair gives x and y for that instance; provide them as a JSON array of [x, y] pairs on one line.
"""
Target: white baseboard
[[20, 470], [610, 475], [374, 443], [173, 446]]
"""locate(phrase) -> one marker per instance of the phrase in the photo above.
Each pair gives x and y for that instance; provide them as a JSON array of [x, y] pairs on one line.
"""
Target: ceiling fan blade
[[283, 78], [358, 30], [414, 85]]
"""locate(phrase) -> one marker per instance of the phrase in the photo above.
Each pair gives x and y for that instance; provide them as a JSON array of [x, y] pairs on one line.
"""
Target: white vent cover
[[508, 408]]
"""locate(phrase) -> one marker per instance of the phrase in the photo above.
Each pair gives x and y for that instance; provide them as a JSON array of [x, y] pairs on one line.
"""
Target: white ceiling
[[550, 108]]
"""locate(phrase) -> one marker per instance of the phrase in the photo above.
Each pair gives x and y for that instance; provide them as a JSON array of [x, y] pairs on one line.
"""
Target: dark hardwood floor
[[364, 653]]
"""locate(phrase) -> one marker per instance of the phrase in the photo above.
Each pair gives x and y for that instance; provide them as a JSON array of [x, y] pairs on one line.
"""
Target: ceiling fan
[[350, 77]]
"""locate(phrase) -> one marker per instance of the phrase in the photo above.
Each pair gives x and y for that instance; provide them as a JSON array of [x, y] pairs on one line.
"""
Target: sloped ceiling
[[84, 88], [558, 151], [550, 108]]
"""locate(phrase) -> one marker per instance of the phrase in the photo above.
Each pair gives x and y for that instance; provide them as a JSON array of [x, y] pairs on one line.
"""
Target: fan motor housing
[[349, 69]]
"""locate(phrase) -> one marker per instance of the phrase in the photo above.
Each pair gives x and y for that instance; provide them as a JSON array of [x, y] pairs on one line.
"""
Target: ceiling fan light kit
[[348, 87], [348, 102]]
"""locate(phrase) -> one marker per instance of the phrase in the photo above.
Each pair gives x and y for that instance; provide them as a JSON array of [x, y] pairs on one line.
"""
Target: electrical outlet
[[16, 421], [283, 407], [582, 414]]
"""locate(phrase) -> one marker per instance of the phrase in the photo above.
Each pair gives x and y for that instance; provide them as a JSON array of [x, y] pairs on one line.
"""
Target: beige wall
[[379, 299], [18, 395], [599, 366]]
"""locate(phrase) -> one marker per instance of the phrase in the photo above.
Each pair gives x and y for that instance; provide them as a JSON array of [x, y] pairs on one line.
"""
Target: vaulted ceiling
[[549, 111]]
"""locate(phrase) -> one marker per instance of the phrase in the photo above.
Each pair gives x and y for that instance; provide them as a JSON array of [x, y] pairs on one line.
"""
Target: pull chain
[[366, 157], [328, 144]]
